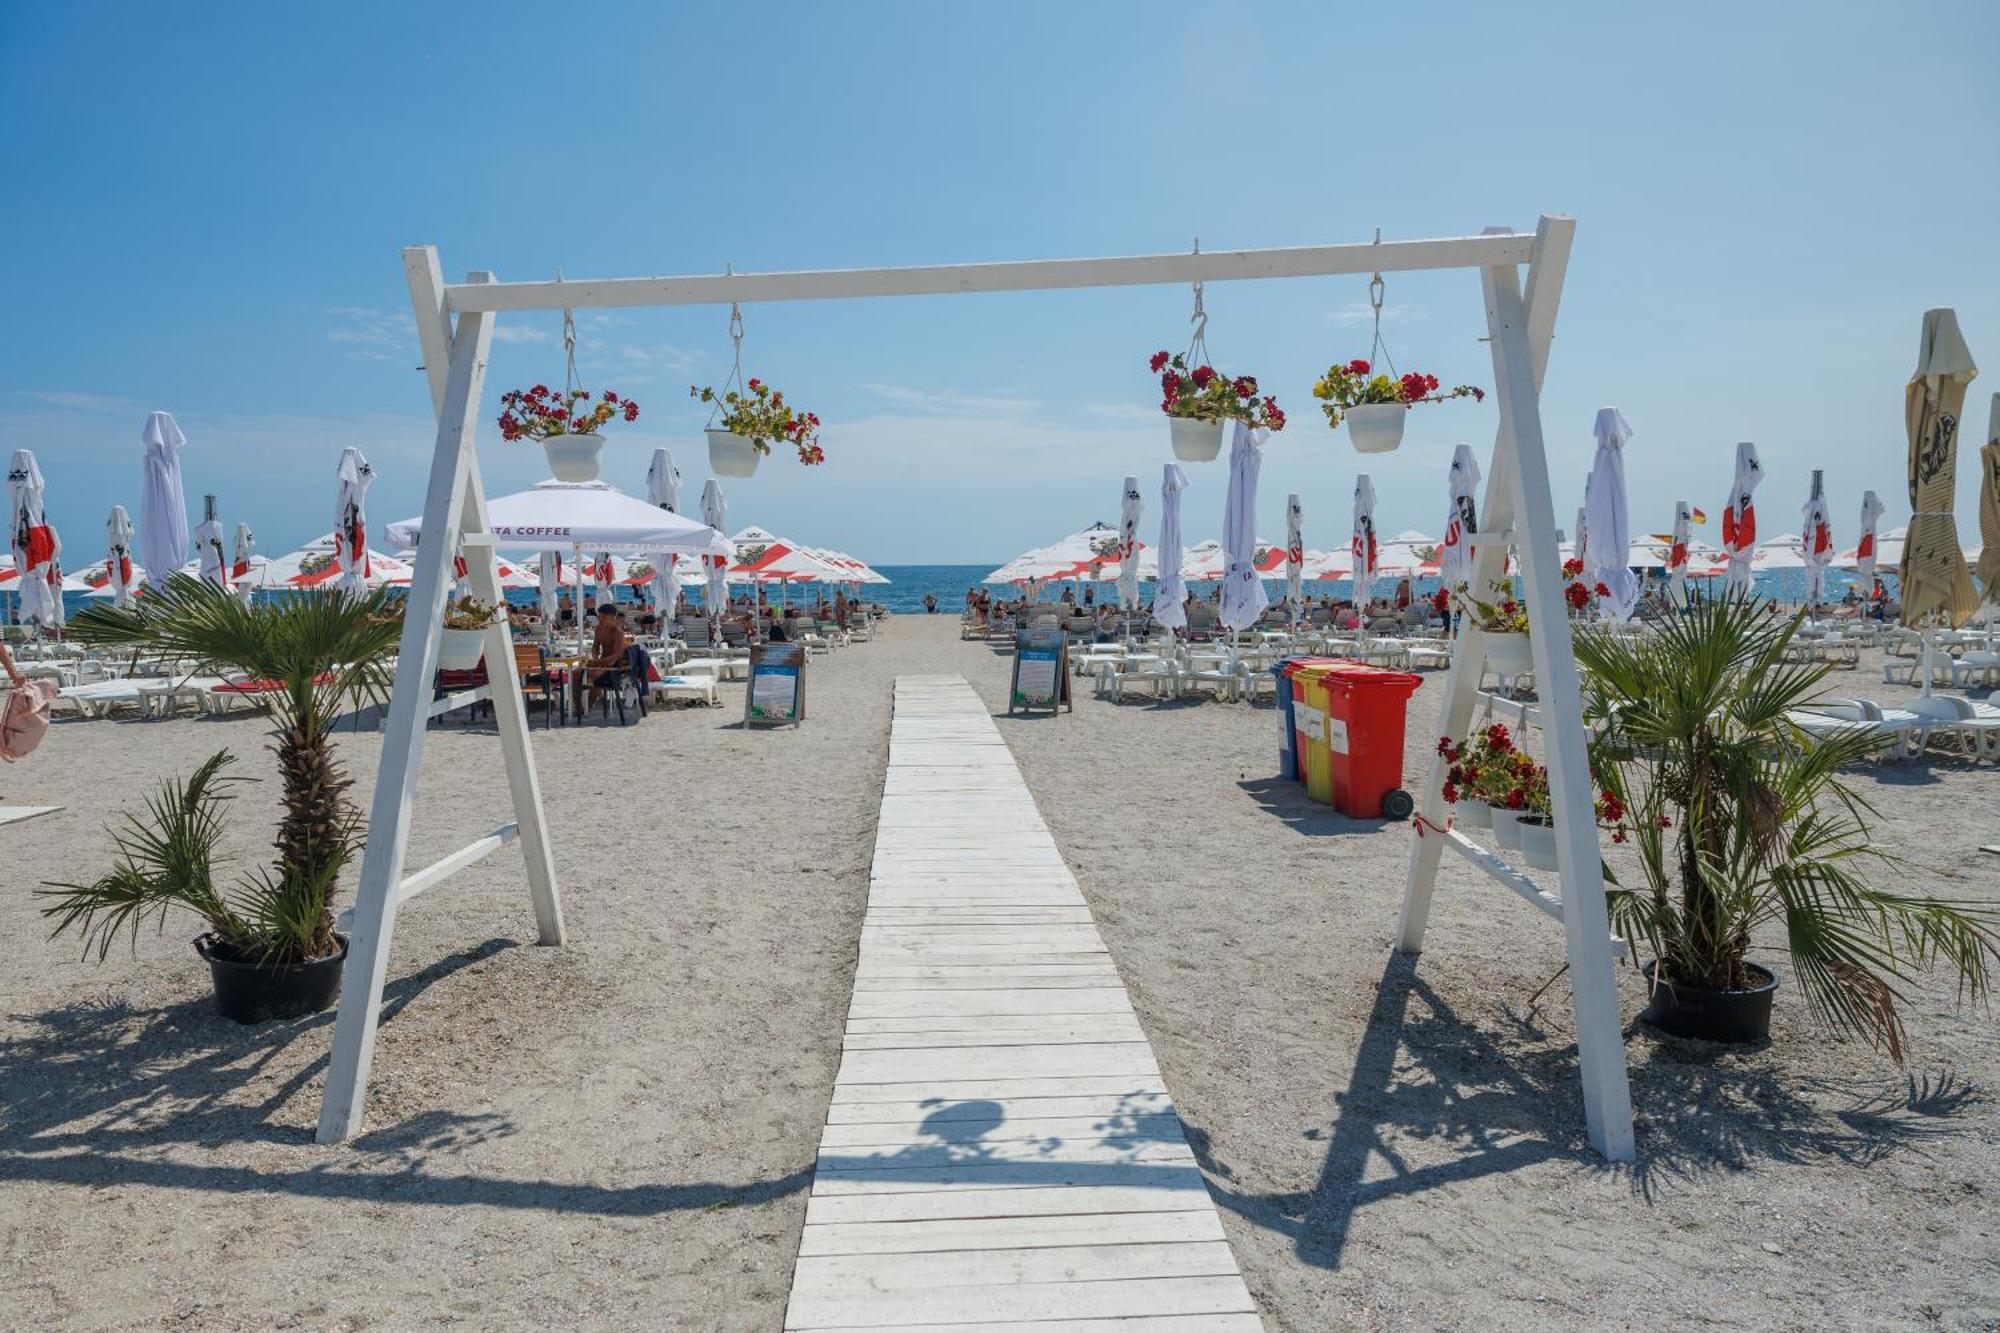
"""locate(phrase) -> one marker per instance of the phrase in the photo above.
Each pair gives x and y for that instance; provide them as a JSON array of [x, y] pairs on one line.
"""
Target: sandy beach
[[620, 1133]]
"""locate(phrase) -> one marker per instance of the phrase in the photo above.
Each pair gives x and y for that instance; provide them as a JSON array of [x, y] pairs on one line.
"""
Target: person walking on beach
[[930, 603]]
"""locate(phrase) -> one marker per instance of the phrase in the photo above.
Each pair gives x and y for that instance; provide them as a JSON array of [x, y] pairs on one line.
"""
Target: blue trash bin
[[1288, 749]]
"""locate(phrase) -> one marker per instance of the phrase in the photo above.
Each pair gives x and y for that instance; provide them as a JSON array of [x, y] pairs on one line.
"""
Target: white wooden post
[[453, 504], [1546, 271]]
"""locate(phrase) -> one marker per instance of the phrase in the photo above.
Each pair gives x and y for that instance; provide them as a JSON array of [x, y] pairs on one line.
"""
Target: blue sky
[[210, 201]]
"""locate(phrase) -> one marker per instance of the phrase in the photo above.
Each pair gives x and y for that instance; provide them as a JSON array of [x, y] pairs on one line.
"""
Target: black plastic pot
[[252, 992], [1684, 1010]]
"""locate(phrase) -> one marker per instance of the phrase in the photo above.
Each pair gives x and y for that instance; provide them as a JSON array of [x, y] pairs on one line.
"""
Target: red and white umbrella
[[1409, 554], [240, 562], [1817, 542], [1456, 552], [1677, 550], [1295, 554], [1170, 592], [1366, 552], [120, 575], [1130, 507], [549, 581], [37, 548], [352, 478], [663, 488], [1080, 555], [317, 565], [1739, 518], [1864, 546], [211, 561], [715, 513]]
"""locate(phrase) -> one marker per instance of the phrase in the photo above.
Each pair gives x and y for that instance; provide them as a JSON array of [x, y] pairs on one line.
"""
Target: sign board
[[1336, 735], [1041, 671], [777, 690]]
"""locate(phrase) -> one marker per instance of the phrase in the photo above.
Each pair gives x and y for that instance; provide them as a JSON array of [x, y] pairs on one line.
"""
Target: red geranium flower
[[1159, 360]]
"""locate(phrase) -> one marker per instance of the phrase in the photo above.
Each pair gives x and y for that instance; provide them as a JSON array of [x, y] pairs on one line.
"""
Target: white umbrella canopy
[[163, 520], [1739, 517], [764, 557], [316, 565], [1462, 522], [1078, 555], [121, 576], [1365, 550], [1677, 550], [1864, 555], [587, 516], [1243, 594], [715, 513], [36, 546], [663, 489], [1170, 592], [1934, 578], [1787, 550], [1608, 554], [1409, 554], [211, 562], [1817, 540], [353, 475], [1328, 565], [1131, 506]]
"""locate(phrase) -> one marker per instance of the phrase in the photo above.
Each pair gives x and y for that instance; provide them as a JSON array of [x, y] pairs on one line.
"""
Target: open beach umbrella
[[1817, 539], [1295, 554], [1130, 507], [1243, 595], [663, 488], [1934, 577], [352, 478], [1366, 554], [1462, 523], [1864, 546], [715, 513], [314, 566], [1989, 508], [1677, 551], [1607, 558], [163, 520], [1739, 518], [1408, 555], [1170, 593], [118, 558], [239, 562], [36, 545]]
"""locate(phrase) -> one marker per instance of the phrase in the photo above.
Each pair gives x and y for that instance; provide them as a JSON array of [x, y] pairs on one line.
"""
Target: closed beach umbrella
[[240, 548], [1864, 547], [35, 544], [1608, 557], [163, 520], [1455, 552], [663, 488], [1989, 507], [1739, 518], [1243, 595], [1578, 548], [1677, 551], [715, 513], [1817, 539], [550, 584], [352, 478], [1130, 507], [212, 560], [1935, 579], [1295, 554], [606, 574], [118, 556], [1364, 550], [1170, 593]]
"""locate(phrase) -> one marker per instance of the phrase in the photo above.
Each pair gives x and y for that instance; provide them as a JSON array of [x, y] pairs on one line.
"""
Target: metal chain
[[1199, 342], [1378, 351], [736, 342], [571, 379]]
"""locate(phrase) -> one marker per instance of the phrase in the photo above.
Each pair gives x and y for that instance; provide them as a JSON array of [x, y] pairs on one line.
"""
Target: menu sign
[[777, 690], [1041, 671]]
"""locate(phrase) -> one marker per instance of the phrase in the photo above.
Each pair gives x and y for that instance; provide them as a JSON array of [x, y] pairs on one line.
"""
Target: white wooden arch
[[455, 327]]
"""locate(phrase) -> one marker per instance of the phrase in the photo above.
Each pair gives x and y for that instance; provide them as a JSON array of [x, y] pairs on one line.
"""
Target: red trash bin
[[1366, 708]]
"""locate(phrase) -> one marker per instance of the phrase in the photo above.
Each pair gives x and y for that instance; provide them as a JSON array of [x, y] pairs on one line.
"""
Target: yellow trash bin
[[1311, 713]]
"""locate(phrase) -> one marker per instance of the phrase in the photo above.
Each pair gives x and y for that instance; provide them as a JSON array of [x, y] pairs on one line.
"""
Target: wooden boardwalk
[[1001, 1154]]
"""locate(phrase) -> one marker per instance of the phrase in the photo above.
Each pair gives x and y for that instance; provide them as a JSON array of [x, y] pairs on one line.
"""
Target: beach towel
[[24, 718]]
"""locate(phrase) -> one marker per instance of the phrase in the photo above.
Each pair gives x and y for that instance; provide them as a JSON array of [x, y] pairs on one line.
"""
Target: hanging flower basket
[[566, 423], [756, 419], [1197, 401], [1510, 654], [1538, 840], [462, 641], [1374, 405]]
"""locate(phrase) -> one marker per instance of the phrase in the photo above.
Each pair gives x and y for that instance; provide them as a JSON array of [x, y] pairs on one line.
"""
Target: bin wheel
[[1398, 804]]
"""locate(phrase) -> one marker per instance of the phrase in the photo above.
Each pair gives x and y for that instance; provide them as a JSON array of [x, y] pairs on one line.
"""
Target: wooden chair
[[531, 663]]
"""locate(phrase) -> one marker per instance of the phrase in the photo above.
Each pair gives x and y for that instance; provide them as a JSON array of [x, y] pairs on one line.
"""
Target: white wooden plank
[[1125, 1059], [950, 1025], [930, 1111], [1008, 1233], [1166, 1323], [1001, 1128], [1054, 1263], [992, 1175], [1089, 1028], [1170, 1190], [812, 1309]]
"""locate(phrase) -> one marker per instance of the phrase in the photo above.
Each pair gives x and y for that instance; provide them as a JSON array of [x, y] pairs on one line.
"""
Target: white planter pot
[[574, 457], [731, 455], [1506, 831], [1538, 844], [460, 649], [1195, 441], [1376, 428], [1509, 654], [1474, 814]]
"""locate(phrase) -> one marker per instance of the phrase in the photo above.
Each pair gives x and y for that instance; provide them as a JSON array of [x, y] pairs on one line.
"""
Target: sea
[[909, 584]]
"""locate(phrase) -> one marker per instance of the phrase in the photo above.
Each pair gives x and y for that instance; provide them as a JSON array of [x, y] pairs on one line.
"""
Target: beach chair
[[1970, 728], [1977, 667], [1898, 733], [538, 682]]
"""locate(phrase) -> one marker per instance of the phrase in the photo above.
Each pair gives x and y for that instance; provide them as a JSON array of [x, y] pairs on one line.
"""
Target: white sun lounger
[[1900, 733], [1973, 728], [685, 687]]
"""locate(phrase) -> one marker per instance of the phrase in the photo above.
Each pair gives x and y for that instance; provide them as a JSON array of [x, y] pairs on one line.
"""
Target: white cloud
[[952, 402], [521, 333], [374, 335], [1123, 411], [80, 402], [1360, 312]]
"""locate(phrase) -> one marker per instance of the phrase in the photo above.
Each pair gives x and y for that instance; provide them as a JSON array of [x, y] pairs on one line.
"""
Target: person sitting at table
[[607, 650]]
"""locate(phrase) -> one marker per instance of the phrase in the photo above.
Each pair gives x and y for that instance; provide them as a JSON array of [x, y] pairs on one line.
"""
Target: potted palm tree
[[1741, 824], [270, 944]]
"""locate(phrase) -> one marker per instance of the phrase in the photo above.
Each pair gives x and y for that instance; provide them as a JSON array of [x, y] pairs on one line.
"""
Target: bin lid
[[1361, 676], [1288, 665]]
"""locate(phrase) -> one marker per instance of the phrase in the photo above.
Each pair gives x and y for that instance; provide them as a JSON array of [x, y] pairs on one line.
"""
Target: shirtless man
[[607, 650]]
